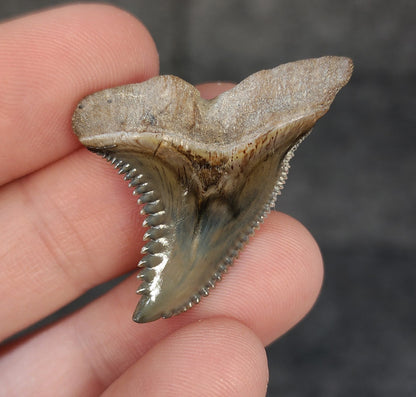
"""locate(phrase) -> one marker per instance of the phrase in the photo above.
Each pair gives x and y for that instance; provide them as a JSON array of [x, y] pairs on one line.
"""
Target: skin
[[72, 223]]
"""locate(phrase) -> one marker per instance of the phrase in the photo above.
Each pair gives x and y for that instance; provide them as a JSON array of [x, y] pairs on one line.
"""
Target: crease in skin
[[206, 171]]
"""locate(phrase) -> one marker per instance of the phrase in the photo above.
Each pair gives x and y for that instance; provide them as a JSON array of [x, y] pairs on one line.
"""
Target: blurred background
[[352, 182]]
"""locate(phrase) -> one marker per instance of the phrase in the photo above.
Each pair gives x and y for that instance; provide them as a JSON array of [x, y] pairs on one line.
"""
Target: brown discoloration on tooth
[[207, 171]]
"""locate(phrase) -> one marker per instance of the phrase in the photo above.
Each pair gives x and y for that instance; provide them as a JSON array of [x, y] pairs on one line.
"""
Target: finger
[[68, 229], [271, 286], [48, 62], [71, 226], [58, 56], [211, 90], [216, 357]]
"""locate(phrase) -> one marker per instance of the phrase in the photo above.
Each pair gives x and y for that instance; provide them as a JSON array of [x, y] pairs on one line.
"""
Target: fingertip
[[301, 257], [274, 282], [297, 270], [217, 356], [115, 32], [212, 90], [296, 242], [49, 61]]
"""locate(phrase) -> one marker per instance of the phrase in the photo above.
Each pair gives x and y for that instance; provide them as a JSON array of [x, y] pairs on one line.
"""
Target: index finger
[[48, 62]]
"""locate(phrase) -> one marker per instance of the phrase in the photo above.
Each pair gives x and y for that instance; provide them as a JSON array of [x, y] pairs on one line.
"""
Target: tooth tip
[[138, 318], [145, 311]]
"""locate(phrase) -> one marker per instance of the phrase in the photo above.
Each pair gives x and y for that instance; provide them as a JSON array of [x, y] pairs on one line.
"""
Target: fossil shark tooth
[[206, 172]]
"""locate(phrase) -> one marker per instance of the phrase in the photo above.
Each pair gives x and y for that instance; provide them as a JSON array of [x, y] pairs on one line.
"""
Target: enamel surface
[[207, 172]]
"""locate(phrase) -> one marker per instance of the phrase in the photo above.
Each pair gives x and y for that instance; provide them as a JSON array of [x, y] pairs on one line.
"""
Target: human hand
[[69, 222]]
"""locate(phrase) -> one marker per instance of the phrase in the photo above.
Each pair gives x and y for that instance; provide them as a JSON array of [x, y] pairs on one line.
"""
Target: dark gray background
[[352, 182]]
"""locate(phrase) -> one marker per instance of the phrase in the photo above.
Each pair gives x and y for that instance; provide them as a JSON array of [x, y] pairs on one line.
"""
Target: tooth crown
[[206, 172]]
